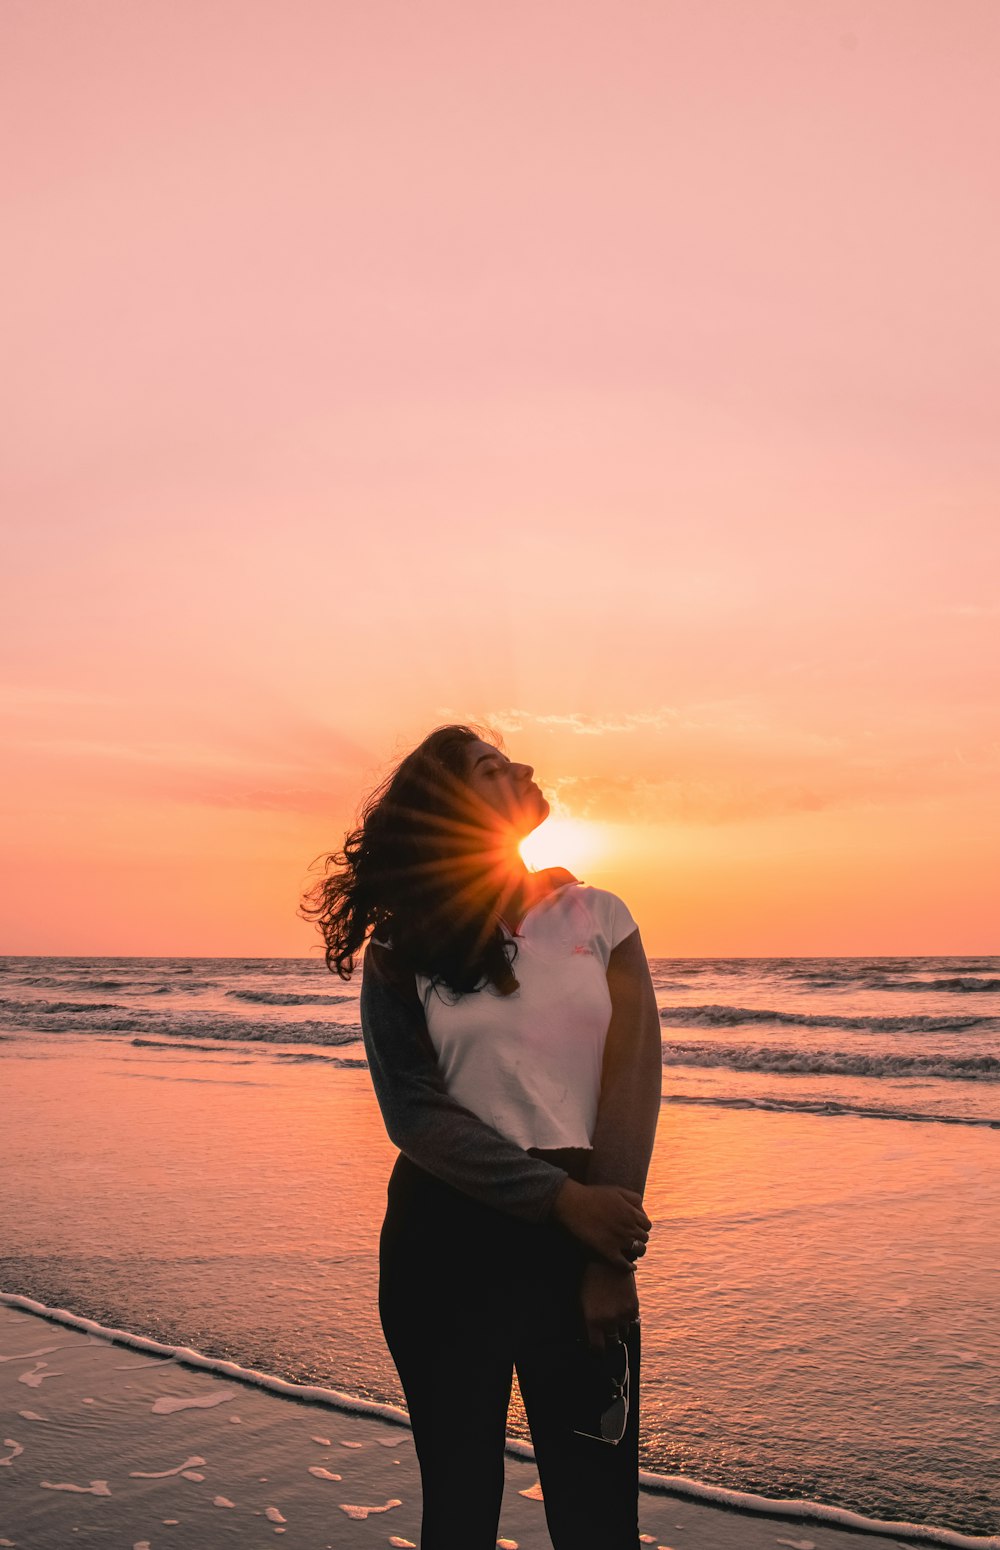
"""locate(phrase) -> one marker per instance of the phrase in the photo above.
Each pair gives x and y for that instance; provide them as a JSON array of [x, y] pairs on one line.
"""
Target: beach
[[114, 1442], [192, 1155], [482, 477]]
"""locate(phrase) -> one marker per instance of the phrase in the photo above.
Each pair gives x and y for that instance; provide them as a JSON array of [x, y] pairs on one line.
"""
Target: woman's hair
[[425, 867]]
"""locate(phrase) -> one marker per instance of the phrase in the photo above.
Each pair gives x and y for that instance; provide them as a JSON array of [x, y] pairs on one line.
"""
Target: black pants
[[466, 1294]]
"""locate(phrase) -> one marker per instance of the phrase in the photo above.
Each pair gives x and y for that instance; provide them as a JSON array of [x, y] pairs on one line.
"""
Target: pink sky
[[624, 374]]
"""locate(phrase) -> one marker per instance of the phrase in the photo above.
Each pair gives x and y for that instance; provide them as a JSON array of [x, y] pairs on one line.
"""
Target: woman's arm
[[631, 1076], [425, 1122], [627, 1115]]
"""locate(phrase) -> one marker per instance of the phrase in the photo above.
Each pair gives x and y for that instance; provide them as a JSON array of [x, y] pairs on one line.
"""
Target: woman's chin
[[535, 818]]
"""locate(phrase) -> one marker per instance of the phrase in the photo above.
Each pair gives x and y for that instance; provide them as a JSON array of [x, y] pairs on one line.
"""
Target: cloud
[[751, 796], [970, 610], [708, 724], [311, 771], [628, 799], [660, 720], [515, 720]]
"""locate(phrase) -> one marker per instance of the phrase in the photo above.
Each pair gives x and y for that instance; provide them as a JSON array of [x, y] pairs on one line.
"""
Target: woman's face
[[506, 787]]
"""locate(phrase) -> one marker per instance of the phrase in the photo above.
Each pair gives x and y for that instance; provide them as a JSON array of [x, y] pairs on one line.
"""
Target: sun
[[568, 842]]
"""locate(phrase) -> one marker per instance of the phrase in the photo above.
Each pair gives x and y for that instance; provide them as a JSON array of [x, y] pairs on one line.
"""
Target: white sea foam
[[95, 1488], [367, 1512], [25, 1356], [34, 1377], [813, 1512], [163, 1474], [187, 1357], [169, 1404], [677, 1485]]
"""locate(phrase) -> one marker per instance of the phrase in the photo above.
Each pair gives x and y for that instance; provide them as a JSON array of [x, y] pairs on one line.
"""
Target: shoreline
[[713, 1503]]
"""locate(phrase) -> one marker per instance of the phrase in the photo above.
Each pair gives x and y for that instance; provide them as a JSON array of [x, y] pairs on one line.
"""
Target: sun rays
[[561, 841]]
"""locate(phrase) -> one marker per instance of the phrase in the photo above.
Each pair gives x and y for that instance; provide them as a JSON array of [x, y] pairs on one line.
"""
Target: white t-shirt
[[529, 1064]]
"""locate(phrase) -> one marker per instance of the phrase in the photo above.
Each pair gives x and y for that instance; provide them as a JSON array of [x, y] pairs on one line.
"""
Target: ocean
[[190, 1150]]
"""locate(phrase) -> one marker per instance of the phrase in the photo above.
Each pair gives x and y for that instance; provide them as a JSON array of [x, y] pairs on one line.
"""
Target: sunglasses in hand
[[602, 1397]]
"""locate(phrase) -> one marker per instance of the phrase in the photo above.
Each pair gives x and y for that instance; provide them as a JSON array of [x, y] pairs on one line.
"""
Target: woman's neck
[[521, 890]]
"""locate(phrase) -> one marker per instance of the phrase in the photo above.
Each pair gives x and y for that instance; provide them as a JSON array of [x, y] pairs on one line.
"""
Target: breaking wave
[[732, 1016], [285, 998], [827, 1062], [107, 1018], [964, 984], [296, 1056], [828, 1108]]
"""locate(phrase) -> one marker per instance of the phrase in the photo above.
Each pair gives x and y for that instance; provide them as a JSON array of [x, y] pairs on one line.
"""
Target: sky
[[621, 376]]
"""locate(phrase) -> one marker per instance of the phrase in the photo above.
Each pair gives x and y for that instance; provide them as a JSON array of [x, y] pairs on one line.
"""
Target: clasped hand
[[609, 1303], [608, 1219]]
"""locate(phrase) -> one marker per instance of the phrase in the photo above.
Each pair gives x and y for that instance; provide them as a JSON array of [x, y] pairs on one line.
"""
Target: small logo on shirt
[[584, 951]]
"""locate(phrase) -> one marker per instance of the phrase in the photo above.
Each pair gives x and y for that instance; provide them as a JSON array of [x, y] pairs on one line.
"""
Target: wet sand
[[105, 1443]]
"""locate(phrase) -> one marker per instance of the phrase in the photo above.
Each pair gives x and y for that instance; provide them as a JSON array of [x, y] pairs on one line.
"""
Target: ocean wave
[[731, 1016], [818, 982], [311, 1031], [207, 1049], [965, 984], [829, 1107], [296, 1056], [52, 1008], [933, 965], [286, 998], [344, 1062], [41, 981], [123, 987], [100, 1019], [832, 973], [802, 1062]]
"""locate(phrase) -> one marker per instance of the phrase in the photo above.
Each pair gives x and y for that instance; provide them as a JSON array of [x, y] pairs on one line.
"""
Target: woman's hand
[[608, 1219], [610, 1303]]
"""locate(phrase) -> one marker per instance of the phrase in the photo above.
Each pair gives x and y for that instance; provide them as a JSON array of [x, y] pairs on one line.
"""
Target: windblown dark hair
[[424, 869]]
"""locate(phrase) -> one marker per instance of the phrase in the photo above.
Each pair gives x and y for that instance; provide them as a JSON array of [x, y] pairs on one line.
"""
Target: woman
[[513, 1042]]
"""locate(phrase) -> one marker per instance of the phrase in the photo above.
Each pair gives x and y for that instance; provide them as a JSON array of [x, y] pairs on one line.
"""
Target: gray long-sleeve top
[[455, 1145]]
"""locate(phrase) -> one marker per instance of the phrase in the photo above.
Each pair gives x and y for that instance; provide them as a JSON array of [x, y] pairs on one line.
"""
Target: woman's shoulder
[[608, 911], [596, 897], [386, 964]]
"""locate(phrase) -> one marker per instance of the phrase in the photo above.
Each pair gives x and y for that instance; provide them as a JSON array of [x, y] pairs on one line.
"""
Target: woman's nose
[[524, 771]]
